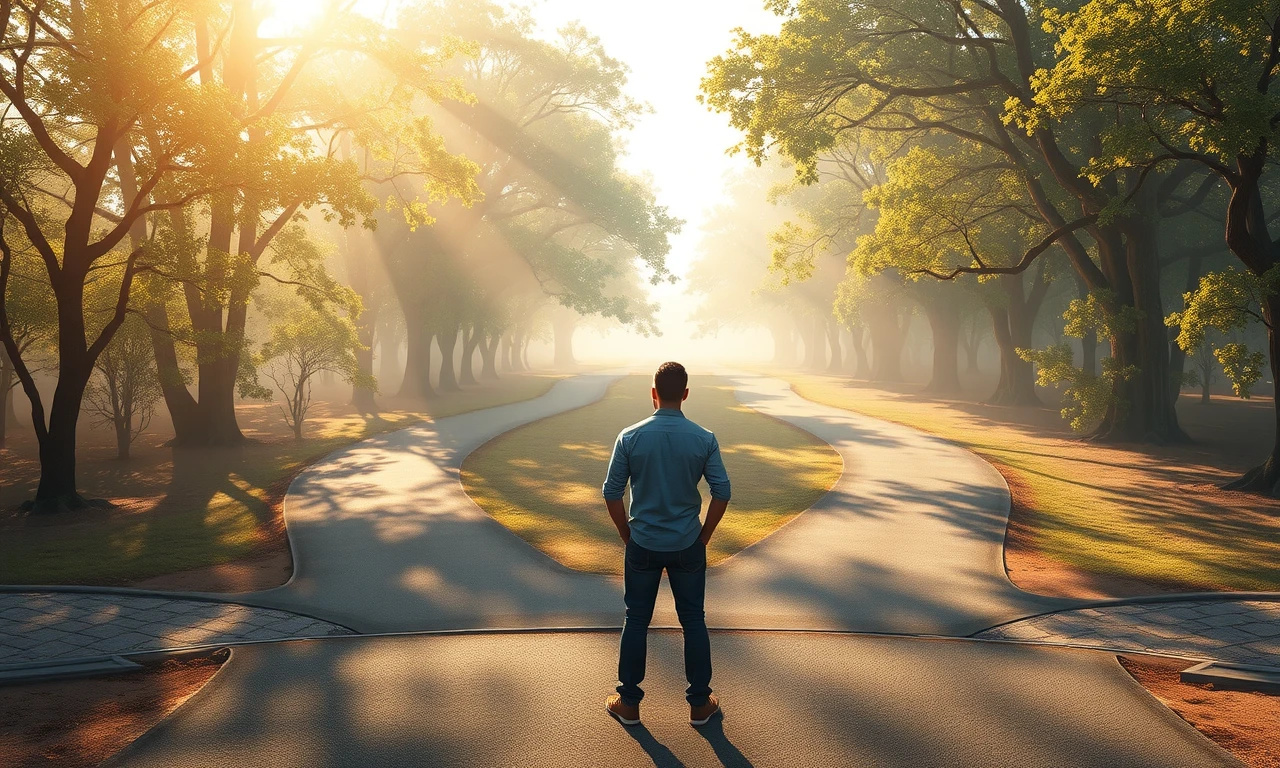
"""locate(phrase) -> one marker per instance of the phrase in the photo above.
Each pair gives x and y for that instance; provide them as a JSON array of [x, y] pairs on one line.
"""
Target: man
[[664, 457]]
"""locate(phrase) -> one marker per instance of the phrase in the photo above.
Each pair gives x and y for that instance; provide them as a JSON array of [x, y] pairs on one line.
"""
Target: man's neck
[[669, 406]]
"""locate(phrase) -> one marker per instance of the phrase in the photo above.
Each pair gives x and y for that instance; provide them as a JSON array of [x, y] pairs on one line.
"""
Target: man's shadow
[[713, 732]]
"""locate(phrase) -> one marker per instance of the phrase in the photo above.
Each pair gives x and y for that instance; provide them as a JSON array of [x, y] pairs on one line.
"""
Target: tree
[[927, 69], [307, 342], [1206, 99], [1204, 371], [77, 81], [125, 391]]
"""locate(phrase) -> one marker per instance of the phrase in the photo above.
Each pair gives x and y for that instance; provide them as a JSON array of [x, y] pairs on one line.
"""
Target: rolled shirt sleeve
[[717, 477], [615, 483]]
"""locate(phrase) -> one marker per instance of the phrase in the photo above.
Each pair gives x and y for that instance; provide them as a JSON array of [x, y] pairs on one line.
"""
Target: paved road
[[790, 700], [908, 541]]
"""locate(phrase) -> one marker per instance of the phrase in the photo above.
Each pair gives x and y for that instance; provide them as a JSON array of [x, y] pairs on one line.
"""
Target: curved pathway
[[908, 541]]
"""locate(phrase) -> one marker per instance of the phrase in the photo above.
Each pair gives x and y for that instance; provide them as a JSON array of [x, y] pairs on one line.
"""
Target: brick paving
[[1245, 632], [60, 625]]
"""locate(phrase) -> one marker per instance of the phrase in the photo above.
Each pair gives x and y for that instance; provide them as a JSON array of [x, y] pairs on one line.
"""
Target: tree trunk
[[1144, 408], [815, 344], [57, 489], [7, 413], [123, 430], [1265, 478], [1204, 391], [887, 340], [784, 343], [388, 354], [863, 368], [448, 341], [417, 370], [833, 340], [563, 325], [944, 322], [489, 353], [504, 350], [363, 398], [1177, 357], [471, 340], [524, 354]]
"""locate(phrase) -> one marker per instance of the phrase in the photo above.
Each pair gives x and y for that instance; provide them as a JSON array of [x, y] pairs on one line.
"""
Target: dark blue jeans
[[687, 574]]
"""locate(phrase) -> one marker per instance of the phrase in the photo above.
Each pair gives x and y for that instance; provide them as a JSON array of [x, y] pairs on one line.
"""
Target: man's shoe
[[627, 714], [703, 714]]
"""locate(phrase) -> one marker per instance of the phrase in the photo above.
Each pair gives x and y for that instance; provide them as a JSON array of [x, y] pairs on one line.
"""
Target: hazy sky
[[682, 146]]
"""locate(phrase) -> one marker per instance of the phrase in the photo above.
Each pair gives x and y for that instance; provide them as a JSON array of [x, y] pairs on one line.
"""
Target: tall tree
[[1191, 83], [931, 68], [77, 81]]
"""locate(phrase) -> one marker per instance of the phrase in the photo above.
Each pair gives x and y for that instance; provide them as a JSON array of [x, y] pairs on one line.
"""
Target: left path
[[385, 539]]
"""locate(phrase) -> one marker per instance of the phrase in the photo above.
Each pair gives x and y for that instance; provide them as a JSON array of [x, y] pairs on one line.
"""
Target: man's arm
[[718, 481], [715, 511], [615, 485], [619, 516]]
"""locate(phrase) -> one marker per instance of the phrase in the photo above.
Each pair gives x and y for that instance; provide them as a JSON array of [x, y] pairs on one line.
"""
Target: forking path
[[908, 541]]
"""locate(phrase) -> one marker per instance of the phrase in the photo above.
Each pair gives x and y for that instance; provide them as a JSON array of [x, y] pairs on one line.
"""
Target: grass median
[[542, 481]]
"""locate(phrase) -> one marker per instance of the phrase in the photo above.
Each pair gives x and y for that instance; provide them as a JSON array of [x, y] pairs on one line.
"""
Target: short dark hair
[[671, 380]]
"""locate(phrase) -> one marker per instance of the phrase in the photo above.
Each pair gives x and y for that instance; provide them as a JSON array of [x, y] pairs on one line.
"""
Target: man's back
[[665, 456]]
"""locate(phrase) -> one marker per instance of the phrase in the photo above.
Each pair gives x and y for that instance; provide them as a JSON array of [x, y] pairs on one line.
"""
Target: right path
[[910, 540]]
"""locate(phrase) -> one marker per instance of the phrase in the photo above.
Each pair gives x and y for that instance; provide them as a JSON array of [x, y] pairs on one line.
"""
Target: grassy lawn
[[543, 480], [1147, 513], [183, 509]]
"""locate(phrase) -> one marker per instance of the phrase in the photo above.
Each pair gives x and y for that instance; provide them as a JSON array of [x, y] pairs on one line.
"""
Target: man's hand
[[618, 514], [715, 511]]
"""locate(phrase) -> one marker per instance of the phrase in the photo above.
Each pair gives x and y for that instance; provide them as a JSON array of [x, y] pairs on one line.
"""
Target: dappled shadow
[[386, 539], [792, 699]]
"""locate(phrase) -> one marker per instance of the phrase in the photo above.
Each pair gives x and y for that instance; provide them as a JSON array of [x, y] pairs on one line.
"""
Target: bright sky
[[667, 44], [681, 146]]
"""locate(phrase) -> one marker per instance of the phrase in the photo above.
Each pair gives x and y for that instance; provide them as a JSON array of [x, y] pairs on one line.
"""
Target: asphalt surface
[[789, 700], [909, 540]]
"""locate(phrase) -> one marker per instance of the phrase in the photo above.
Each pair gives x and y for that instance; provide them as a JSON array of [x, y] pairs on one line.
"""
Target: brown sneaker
[[627, 714], [703, 714]]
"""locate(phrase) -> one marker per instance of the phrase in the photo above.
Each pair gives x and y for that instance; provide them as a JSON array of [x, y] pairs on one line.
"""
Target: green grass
[[543, 480], [1147, 513], [186, 509]]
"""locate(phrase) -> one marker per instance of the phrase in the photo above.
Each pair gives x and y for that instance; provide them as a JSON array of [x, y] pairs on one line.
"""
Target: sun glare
[[286, 16]]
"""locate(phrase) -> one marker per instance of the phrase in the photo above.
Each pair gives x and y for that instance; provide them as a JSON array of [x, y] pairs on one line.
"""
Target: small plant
[[307, 343], [125, 388], [1090, 395]]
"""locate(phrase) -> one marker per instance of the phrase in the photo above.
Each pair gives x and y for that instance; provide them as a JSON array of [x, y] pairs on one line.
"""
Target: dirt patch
[[81, 723], [248, 575], [1245, 724]]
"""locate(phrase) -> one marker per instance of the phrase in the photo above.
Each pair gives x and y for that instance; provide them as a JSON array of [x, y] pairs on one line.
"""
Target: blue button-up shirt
[[665, 456]]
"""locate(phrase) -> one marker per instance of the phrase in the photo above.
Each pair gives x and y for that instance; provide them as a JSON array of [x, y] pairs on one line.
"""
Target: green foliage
[[302, 344], [1100, 313], [1090, 396], [1242, 367], [1226, 300]]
